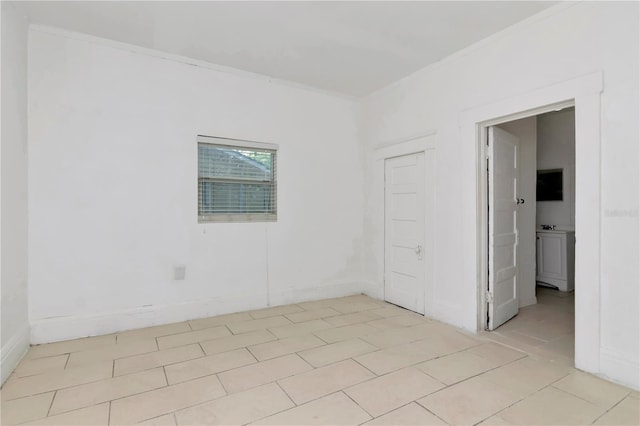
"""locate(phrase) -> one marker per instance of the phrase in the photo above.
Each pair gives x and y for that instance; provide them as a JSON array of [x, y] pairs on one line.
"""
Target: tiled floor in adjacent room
[[546, 329], [352, 360]]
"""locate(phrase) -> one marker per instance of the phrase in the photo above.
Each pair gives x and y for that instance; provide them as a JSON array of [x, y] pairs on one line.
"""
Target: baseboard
[[325, 291], [372, 289], [442, 312], [49, 330], [452, 315], [13, 352], [619, 368], [527, 302]]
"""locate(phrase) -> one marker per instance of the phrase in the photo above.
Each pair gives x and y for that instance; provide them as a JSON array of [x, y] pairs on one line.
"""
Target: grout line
[[271, 333], [611, 408], [408, 403], [328, 343], [103, 402], [113, 368], [497, 413], [55, 390], [254, 355], [109, 414], [277, 382], [199, 403], [567, 392], [51, 404], [204, 353], [225, 370], [525, 397], [365, 367], [432, 377], [356, 402], [394, 409], [274, 413], [224, 388], [97, 380], [166, 379], [420, 405], [147, 368], [487, 371]]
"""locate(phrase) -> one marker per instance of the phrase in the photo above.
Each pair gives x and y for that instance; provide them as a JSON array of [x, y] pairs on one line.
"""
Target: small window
[[236, 180]]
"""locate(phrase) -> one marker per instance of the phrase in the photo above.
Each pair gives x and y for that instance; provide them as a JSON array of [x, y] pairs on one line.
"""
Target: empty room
[[329, 213]]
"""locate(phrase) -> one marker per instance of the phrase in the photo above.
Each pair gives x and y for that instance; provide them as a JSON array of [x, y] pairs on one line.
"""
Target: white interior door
[[405, 231], [503, 227]]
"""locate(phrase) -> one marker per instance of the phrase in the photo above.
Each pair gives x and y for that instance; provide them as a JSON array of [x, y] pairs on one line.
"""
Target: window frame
[[271, 216]]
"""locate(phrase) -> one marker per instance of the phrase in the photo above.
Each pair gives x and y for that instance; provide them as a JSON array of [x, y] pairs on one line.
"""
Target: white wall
[[13, 190], [562, 43], [113, 190], [525, 130], [557, 150]]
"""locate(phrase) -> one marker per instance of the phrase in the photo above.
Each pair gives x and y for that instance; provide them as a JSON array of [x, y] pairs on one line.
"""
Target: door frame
[[584, 93], [425, 143]]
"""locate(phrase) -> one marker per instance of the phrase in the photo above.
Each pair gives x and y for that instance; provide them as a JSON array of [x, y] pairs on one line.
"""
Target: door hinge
[[488, 296]]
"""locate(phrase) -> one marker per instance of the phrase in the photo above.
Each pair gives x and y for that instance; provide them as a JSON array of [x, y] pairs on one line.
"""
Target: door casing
[[584, 93], [426, 143]]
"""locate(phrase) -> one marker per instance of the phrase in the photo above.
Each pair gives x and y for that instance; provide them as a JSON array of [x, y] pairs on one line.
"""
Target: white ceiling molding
[[349, 47]]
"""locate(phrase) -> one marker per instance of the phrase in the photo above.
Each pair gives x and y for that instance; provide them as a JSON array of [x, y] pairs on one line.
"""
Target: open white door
[[502, 296], [404, 231]]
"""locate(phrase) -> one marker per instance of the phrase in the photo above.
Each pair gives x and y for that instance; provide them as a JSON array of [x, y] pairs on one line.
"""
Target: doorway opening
[[584, 93], [531, 277]]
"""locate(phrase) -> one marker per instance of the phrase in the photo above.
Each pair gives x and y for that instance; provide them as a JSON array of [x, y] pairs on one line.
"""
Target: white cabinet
[[555, 258]]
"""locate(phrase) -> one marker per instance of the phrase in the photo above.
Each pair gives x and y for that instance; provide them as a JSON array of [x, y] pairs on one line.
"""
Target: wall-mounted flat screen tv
[[549, 185]]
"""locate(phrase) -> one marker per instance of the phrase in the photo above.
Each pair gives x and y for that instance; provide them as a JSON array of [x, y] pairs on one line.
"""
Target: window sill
[[237, 218]]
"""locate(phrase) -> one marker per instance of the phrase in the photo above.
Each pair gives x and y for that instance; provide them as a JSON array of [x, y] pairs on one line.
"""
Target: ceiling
[[349, 47]]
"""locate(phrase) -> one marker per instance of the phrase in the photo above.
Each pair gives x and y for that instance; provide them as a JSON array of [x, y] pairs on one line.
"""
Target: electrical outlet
[[179, 272]]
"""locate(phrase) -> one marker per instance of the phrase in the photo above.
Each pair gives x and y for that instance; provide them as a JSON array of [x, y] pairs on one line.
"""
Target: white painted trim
[[422, 143], [132, 48], [450, 314], [534, 102], [620, 368], [402, 144], [588, 208], [219, 140], [585, 93], [406, 146], [373, 289], [49, 330], [327, 291], [13, 351]]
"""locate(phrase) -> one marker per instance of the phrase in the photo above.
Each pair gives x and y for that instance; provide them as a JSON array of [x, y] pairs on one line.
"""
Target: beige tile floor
[[352, 360], [546, 329]]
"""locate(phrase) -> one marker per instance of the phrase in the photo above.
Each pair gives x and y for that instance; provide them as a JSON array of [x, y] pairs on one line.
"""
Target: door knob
[[418, 250]]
